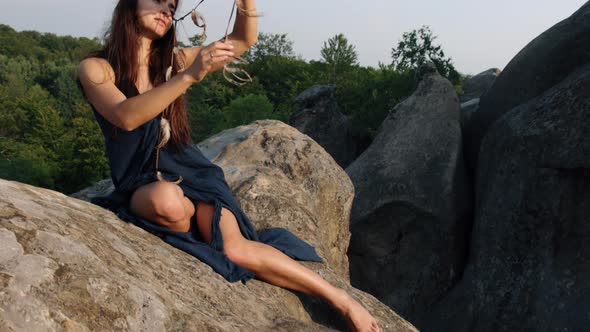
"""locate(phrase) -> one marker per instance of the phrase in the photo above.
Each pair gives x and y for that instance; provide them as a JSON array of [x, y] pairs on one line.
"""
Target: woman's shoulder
[[96, 70]]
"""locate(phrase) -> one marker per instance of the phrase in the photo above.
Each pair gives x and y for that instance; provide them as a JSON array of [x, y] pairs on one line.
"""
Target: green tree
[[205, 121], [367, 95], [14, 119], [416, 48], [194, 41], [339, 55], [282, 80], [22, 68], [60, 81], [84, 157], [48, 134], [246, 109], [27, 163], [270, 44]]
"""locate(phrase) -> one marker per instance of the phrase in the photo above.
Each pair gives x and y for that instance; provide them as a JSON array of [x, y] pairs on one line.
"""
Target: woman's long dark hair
[[120, 50]]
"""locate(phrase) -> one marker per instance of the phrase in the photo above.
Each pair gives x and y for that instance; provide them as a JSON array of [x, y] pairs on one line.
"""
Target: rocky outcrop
[[319, 118], [282, 178], [530, 252], [410, 215], [479, 84], [543, 63], [473, 89], [66, 264], [467, 110]]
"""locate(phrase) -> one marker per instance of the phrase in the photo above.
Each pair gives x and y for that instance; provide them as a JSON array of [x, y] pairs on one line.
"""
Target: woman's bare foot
[[357, 317]]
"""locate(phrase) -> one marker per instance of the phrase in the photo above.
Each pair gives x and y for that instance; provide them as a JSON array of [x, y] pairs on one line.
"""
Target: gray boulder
[[315, 94], [283, 178], [467, 110], [410, 215], [319, 118], [479, 84], [66, 264], [530, 252], [541, 64]]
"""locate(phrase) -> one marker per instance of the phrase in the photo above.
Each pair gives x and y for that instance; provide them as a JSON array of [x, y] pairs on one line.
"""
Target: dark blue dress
[[131, 157]]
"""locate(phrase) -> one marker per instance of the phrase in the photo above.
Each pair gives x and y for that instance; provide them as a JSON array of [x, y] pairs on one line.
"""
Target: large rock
[[468, 108], [479, 84], [544, 62], [410, 214], [283, 178], [530, 255], [319, 118], [66, 264], [473, 89]]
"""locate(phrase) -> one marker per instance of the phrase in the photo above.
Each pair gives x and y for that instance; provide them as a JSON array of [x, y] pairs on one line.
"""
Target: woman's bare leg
[[163, 203], [273, 266]]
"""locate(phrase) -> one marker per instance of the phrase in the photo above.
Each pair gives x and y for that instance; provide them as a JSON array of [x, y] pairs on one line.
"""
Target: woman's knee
[[172, 210], [169, 203]]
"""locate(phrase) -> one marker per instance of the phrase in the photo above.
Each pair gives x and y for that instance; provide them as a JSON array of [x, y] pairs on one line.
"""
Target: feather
[[164, 132], [168, 73]]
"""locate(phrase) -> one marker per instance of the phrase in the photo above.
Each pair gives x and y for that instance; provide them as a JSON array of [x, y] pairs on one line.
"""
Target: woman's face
[[155, 17]]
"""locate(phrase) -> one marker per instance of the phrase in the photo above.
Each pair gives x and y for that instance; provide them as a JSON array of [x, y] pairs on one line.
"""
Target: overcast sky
[[476, 34]]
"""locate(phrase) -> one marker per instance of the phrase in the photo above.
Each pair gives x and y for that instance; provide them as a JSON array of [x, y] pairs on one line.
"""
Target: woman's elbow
[[127, 125], [251, 42], [123, 123]]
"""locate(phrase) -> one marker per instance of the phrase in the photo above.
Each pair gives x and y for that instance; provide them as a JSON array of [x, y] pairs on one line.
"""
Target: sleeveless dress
[[131, 157]]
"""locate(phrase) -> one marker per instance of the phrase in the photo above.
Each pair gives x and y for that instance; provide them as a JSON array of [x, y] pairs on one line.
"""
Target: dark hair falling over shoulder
[[121, 46]]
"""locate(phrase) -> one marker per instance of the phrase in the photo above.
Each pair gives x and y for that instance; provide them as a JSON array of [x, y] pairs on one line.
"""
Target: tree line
[[49, 137]]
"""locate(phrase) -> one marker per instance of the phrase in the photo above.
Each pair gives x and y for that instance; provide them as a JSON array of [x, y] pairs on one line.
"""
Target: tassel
[[165, 134]]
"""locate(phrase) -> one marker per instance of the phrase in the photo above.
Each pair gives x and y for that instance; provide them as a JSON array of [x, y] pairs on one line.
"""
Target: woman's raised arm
[[243, 36]]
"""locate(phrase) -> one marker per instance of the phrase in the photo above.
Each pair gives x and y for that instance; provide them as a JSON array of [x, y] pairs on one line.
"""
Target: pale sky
[[476, 34]]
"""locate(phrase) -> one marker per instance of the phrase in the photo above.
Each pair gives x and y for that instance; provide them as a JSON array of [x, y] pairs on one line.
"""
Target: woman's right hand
[[210, 58]]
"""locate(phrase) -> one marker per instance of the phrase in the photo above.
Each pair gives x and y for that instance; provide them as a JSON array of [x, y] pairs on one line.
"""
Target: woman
[[125, 83]]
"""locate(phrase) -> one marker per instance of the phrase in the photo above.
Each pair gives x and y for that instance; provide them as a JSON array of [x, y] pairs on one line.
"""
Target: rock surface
[[319, 118], [530, 252], [315, 94], [282, 178], [479, 84], [410, 214], [66, 264], [467, 110], [541, 64]]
